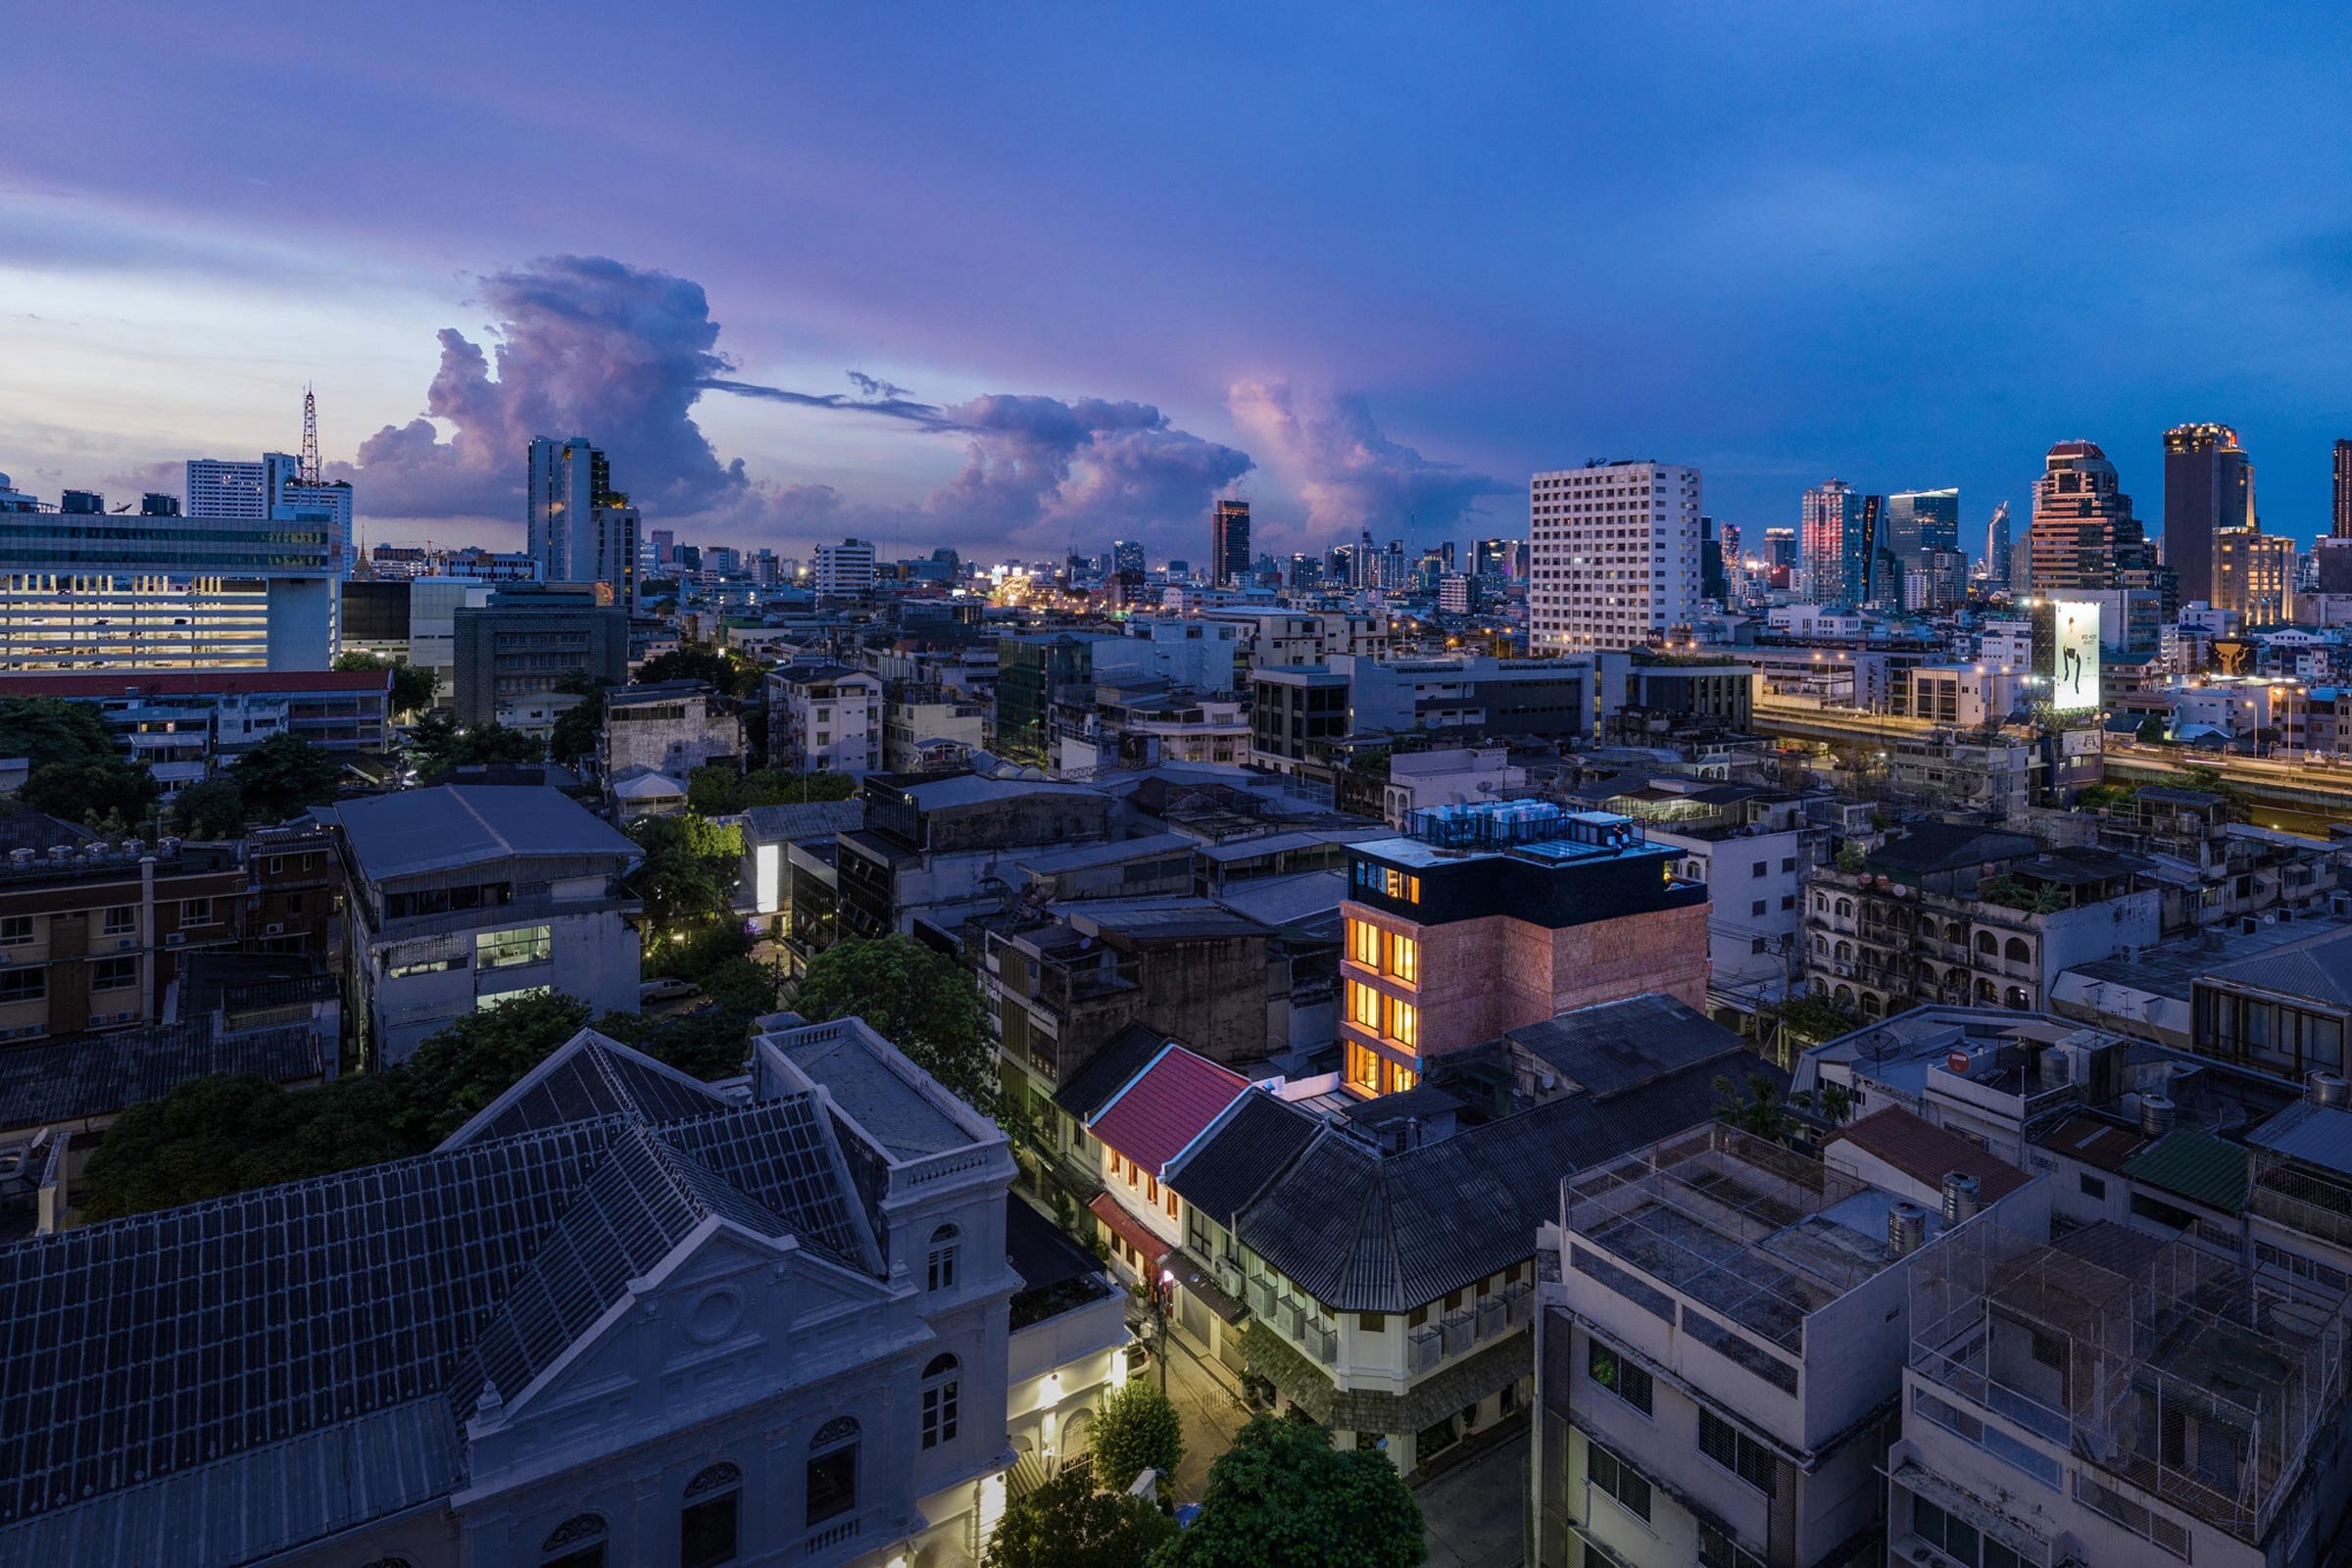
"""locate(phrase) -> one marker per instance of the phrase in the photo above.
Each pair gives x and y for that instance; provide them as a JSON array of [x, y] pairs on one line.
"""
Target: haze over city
[[1022, 285]]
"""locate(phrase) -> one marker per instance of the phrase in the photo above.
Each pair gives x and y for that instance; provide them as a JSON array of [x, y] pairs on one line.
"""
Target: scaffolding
[[2171, 1369], [1735, 1223]]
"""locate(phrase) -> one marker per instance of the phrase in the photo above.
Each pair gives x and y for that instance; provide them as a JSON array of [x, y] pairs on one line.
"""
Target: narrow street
[[1471, 1517], [1209, 1402]]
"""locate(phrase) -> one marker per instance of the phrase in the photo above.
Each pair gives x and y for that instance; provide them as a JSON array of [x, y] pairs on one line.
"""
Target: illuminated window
[[1363, 1004], [1363, 1067], [1363, 943], [1404, 959], [502, 950], [1404, 1023]]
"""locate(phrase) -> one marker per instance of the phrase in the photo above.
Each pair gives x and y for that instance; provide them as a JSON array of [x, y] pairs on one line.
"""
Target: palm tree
[[1760, 1109]]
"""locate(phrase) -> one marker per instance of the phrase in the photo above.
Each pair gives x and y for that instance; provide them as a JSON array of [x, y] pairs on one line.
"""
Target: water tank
[[1960, 1199], [1906, 1229], [2155, 1116], [2328, 1088]]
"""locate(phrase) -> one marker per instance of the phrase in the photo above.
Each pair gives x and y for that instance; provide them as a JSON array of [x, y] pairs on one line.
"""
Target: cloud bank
[[1350, 475]]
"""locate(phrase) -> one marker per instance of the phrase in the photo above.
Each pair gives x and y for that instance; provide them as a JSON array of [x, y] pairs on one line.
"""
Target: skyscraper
[[2208, 486], [1920, 523], [255, 492], [1127, 555], [2343, 491], [1996, 548], [1614, 554], [2083, 534], [1838, 537], [579, 529], [1229, 544]]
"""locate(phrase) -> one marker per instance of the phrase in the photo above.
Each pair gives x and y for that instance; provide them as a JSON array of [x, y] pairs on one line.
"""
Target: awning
[[1192, 1277], [1127, 1228]]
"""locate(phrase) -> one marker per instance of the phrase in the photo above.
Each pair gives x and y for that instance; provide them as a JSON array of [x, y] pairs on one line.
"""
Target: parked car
[[667, 989]]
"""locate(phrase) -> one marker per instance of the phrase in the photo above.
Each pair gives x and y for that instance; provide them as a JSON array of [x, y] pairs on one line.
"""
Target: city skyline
[[1044, 358]]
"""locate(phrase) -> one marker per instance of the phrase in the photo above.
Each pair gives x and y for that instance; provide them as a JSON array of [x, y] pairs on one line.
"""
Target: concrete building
[[824, 719], [578, 528], [1755, 851], [1494, 916], [1229, 544], [510, 651], [1722, 1336], [670, 728], [1969, 696], [523, 1394], [920, 722], [1034, 669], [464, 894], [1614, 554], [938, 850], [2208, 487], [844, 570], [1458, 775], [2254, 575], [1296, 711], [184, 724]]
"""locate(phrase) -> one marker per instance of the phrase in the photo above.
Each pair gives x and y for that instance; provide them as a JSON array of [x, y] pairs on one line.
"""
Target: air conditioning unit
[[274, 928], [97, 1020], [174, 939], [125, 944], [126, 1016]]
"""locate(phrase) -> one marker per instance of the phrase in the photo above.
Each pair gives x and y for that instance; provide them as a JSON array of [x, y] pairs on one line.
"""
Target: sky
[[1025, 279]]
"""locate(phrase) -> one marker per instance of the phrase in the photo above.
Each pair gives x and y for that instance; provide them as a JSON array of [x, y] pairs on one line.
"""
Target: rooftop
[[1614, 1046], [72, 1077], [152, 683], [1926, 1152], [416, 832], [1165, 1107]]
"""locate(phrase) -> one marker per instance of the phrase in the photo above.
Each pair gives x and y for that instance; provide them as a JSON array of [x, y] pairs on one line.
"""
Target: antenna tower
[[310, 438]]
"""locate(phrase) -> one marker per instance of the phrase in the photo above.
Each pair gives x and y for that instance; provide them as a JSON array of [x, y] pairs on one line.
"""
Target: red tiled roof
[[195, 682], [1127, 1228], [1925, 1151], [1165, 1108]]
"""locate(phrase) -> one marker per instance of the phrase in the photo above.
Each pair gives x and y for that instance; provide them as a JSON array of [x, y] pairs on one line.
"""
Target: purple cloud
[[1349, 474]]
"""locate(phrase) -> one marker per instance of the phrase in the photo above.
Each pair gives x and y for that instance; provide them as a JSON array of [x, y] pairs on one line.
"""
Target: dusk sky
[[1026, 282]]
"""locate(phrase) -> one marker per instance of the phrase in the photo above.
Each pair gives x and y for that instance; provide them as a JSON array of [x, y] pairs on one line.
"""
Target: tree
[[210, 808], [441, 742], [577, 727], [1068, 1524], [724, 671], [1760, 1108], [282, 775], [716, 790], [456, 1072], [690, 868], [1137, 1430], [228, 1132], [411, 688], [2151, 731], [918, 999], [1281, 1497], [75, 773]]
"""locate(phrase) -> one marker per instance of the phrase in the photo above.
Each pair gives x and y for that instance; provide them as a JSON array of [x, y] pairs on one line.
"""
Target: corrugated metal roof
[[1926, 1152], [450, 825], [2316, 1135], [2197, 1165], [1614, 1046], [1165, 1108], [1110, 1070]]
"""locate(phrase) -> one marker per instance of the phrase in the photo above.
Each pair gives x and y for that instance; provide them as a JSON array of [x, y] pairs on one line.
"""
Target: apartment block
[[1615, 555]]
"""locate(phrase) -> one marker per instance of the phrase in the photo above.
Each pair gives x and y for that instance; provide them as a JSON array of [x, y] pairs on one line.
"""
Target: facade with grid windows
[[1614, 554]]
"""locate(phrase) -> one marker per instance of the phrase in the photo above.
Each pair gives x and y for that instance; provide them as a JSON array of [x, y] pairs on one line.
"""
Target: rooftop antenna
[[308, 474]]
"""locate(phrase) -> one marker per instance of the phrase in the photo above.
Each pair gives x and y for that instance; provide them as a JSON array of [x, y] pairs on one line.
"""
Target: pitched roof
[[2317, 967], [2316, 1135], [1165, 1107], [1614, 1046], [2194, 1165], [74, 1076], [449, 825], [1223, 1171], [591, 1075], [805, 820], [1108, 1071], [1926, 1152], [2094, 1141]]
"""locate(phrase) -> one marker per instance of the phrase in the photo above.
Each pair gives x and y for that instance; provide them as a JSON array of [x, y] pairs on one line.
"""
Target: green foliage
[[471, 1063], [690, 868], [210, 808], [411, 688], [726, 672], [1851, 857], [694, 953], [1068, 1524], [283, 774], [2099, 797], [214, 1136], [2008, 892], [441, 742], [1813, 1019], [717, 790], [1281, 1497], [76, 774], [1757, 1107], [918, 999], [576, 729], [2151, 731], [1137, 1430], [1837, 1103]]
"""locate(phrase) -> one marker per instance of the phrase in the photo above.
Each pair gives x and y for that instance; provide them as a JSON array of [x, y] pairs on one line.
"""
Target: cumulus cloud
[[1349, 474], [1037, 465]]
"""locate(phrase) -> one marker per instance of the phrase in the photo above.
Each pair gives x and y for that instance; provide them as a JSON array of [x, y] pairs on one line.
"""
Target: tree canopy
[[576, 729], [411, 688], [725, 672], [690, 869], [717, 790], [917, 997], [1137, 1430], [282, 775], [75, 773], [1068, 1524], [1281, 1497], [210, 808], [441, 742]]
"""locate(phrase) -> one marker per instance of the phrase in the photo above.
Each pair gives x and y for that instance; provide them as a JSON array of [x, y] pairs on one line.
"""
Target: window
[[1404, 959], [1608, 1367], [939, 1402], [195, 912], [115, 974], [24, 985], [938, 1267], [16, 930], [2091, 1186], [710, 1525], [1618, 1478], [577, 1542], [487, 1000], [1363, 943], [1719, 1550], [503, 949], [1959, 1540], [1756, 907], [1371, 1322], [1363, 1005], [833, 1470], [1404, 1023], [1737, 1452], [121, 921]]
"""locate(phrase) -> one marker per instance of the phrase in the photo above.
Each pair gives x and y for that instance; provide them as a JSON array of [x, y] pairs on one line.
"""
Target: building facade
[[1614, 557], [2208, 487], [1229, 544], [824, 719]]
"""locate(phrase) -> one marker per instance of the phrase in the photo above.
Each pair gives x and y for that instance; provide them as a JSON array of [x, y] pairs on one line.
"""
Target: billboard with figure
[[2073, 670]]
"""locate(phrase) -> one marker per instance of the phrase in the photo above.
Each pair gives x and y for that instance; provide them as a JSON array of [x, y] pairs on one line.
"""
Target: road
[[1473, 1516], [1210, 1407]]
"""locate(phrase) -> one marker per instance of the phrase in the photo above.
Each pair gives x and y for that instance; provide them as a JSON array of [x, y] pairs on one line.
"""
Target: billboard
[[2073, 670]]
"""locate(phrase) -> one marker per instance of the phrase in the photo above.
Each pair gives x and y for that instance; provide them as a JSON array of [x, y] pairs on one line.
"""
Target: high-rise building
[[2342, 528], [2254, 575], [1780, 549], [2083, 534], [1996, 548], [1229, 544], [1614, 556], [844, 570], [1488, 558], [2208, 486], [1838, 533], [254, 492], [1710, 561], [1127, 555], [665, 541], [1921, 523], [580, 529]]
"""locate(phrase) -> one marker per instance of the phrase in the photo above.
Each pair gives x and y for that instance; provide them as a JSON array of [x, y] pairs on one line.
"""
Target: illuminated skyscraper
[[2085, 535], [1229, 544], [2208, 486]]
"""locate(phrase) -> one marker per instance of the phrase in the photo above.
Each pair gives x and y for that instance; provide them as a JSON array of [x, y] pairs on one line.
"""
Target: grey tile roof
[[2320, 968], [74, 1076], [1260, 1136], [592, 1077], [1090, 1088], [801, 820], [1614, 1046], [449, 825]]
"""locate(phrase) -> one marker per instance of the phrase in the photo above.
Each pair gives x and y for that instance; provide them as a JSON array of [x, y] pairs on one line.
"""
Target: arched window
[[939, 1271], [1821, 944], [1821, 905], [939, 1402], [1872, 1006], [2017, 952], [1987, 944], [1958, 934], [1845, 995], [1846, 908], [833, 1469], [1845, 949], [1988, 993], [710, 1518], [579, 1542], [2019, 1000]]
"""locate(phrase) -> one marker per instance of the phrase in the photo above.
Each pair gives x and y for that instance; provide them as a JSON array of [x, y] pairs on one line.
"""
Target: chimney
[[1959, 1197], [1906, 1229]]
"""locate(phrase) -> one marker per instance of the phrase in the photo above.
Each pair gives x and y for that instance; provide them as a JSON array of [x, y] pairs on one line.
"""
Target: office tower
[[1487, 558], [1229, 544], [1996, 548], [2254, 574], [1921, 523], [1780, 550], [579, 529], [2083, 534], [1710, 561], [844, 570], [1127, 554], [223, 488], [1838, 529], [2208, 486], [1615, 555], [665, 541], [1395, 574], [2342, 528]]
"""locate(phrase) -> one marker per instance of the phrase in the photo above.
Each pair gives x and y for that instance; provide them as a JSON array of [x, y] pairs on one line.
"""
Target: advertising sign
[[2075, 663]]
